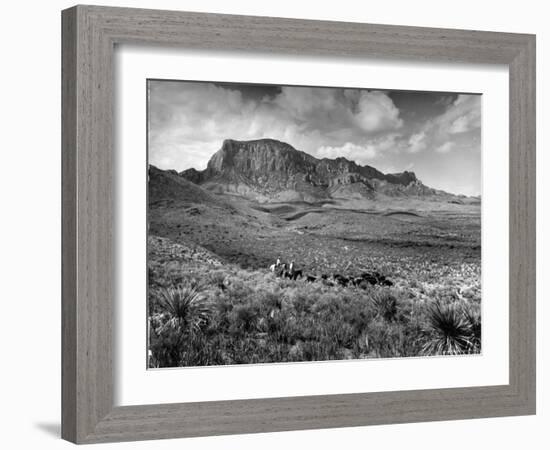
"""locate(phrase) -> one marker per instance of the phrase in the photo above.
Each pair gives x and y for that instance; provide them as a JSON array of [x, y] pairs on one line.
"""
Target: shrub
[[473, 320], [238, 316], [449, 333], [185, 311], [386, 304]]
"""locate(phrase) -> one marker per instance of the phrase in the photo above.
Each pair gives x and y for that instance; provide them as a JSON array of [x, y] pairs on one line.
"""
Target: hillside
[[215, 249], [268, 170], [166, 186]]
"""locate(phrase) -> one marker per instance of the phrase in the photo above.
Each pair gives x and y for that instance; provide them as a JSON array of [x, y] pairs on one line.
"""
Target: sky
[[437, 135]]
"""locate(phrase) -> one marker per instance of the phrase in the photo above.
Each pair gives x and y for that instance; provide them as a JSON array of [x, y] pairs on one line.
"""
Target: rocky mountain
[[270, 170], [167, 186]]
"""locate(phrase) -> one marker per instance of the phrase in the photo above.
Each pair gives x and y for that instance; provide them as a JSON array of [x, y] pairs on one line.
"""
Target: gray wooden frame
[[89, 34]]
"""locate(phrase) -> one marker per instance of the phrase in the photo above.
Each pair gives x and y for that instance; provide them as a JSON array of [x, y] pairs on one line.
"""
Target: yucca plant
[[185, 309], [449, 332]]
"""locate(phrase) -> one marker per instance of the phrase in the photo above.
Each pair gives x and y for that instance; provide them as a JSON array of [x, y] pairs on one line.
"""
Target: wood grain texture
[[89, 36], [522, 224], [68, 224], [87, 211]]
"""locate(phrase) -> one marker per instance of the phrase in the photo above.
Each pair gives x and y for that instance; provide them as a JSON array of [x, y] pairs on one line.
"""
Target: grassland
[[212, 300]]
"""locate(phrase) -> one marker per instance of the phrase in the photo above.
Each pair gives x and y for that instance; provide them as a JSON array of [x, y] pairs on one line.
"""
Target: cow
[[341, 280], [376, 278], [369, 277]]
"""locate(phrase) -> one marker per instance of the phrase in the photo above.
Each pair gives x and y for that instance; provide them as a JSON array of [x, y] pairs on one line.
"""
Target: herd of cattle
[[289, 271]]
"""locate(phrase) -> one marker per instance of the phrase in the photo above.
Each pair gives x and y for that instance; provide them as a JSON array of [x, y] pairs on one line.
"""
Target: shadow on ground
[[51, 428]]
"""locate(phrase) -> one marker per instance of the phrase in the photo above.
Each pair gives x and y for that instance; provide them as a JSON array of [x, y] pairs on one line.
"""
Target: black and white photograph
[[301, 223], [275, 225]]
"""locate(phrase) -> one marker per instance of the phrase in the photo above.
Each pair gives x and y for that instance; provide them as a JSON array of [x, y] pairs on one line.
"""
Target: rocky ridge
[[271, 170]]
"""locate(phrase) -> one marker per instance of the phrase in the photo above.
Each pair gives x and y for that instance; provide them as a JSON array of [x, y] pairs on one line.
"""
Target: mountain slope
[[270, 170], [167, 185]]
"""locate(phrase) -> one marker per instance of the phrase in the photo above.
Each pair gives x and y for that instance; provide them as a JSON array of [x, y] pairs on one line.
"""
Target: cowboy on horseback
[[275, 267]]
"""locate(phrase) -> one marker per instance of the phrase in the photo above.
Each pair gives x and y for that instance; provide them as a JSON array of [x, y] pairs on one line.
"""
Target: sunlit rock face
[[270, 170]]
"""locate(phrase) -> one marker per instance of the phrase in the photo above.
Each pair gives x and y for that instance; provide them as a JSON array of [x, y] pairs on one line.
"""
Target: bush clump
[[235, 316]]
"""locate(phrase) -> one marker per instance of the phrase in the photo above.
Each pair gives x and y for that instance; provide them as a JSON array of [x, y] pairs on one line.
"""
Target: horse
[[295, 274], [310, 278], [287, 274], [280, 270]]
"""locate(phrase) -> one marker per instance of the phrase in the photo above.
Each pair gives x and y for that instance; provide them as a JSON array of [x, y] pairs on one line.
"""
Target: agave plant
[[449, 331], [186, 309]]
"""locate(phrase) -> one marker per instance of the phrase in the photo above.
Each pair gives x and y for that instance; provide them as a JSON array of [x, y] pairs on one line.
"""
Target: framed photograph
[[268, 222]]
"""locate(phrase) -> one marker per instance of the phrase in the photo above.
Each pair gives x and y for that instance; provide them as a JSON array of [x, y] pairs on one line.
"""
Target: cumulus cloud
[[391, 131], [417, 142], [370, 111], [377, 112], [362, 153], [445, 148], [461, 116], [186, 123], [188, 117], [350, 151]]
